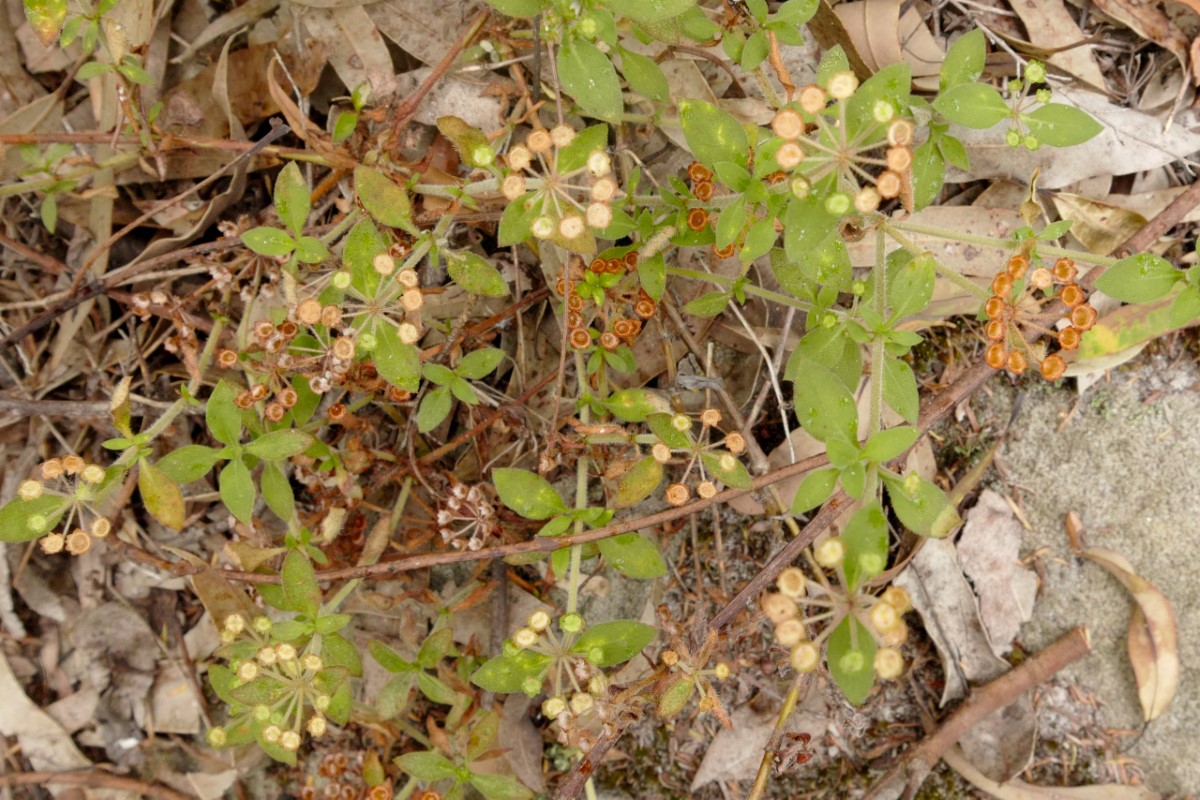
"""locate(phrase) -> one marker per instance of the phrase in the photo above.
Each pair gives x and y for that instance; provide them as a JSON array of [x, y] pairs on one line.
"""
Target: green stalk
[[999, 243], [581, 476], [875, 417]]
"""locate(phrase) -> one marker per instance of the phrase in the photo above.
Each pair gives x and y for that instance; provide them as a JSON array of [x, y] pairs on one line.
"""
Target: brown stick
[[905, 778], [97, 778]]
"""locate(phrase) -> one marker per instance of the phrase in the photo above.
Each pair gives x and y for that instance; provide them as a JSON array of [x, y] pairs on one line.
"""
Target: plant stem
[[962, 282], [749, 288], [999, 243], [581, 487], [875, 417]]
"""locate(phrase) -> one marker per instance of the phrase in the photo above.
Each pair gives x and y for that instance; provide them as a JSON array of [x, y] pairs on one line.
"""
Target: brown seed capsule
[[52, 468], [627, 328], [723, 252], [1017, 362], [574, 302], [735, 442], [698, 173], [288, 397], [275, 411], [697, 219], [614, 266], [997, 356], [1083, 317], [1064, 270], [889, 184], [710, 417], [288, 330], [1053, 367], [1072, 295], [79, 542], [610, 341], [787, 124], [995, 308], [259, 391], [813, 98], [598, 266], [677, 494], [703, 191], [343, 348], [331, 316], [244, 400], [227, 359], [996, 329], [1069, 338], [631, 259], [579, 338], [574, 320], [779, 607], [645, 308], [1018, 265], [899, 159], [263, 330], [336, 412], [539, 141], [1002, 285], [560, 286]]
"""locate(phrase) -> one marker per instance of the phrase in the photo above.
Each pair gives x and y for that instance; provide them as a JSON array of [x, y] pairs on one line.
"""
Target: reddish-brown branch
[[96, 778]]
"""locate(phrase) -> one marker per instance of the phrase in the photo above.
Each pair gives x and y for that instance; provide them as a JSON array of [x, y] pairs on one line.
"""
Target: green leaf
[[46, 18], [344, 127], [237, 490], [480, 363], [577, 152], [900, 389], [921, 506], [1185, 307], [972, 105], [463, 391], [928, 173], [435, 407], [634, 405], [311, 250], [588, 76], [278, 445], [645, 77], [189, 463], [269, 241], [866, 540], [633, 555], [499, 787], [852, 667], [964, 61], [397, 362], [1060, 125], [638, 482], [520, 8], [814, 490], [292, 198], [437, 645], [507, 673], [755, 51], [708, 305], [426, 766], [16, 513], [713, 134], [828, 264], [393, 697], [438, 373], [612, 643], [1055, 230], [954, 151], [725, 466], [388, 658], [528, 494], [886, 445], [649, 10], [221, 414], [664, 428], [760, 239], [262, 690], [517, 218], [331, 623], [161, 496], [277, 491], [475, 274], [290, 630], [806, 224], [363, 243], [384, 200], [299, 583], [435, 690], [1139, 278], [833, 62], [49, 209], [652, 273], [910, 286], [824, 405]]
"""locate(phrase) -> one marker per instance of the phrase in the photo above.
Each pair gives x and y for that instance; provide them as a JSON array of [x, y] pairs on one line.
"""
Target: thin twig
[[94, 778]]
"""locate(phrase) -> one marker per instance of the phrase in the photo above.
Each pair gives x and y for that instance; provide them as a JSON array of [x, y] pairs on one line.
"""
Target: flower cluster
[[607, 296], [77, 484], [838, 156], [798, 604], [468, 513], [707, 462], [1015, 321], [278, 693], [572, 189]]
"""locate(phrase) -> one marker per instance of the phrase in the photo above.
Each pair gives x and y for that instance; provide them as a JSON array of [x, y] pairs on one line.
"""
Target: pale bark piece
[[523, 742], [357, 51], [884, 36], [422, 29], [989, 551]]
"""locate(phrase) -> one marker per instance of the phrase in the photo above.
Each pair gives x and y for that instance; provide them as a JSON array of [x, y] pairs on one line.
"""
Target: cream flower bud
[[73, 464], [53, 543], [519, 158], [897, 598], [581, 703], [842, 85], [538, 621], [830, 553], [514, 186], [285, 651], [805, 657], [235, 623], [383, 263], [883, 617], [290, 740], [542, 227], [778, 607], [271, 733], [889, 663], [311, 661], [599, 215], [787, 124], [408, 278], [599, 163], [30, 490], [52, 469], [792, 582], [92, 473], [408, 333], [248, 671], [790, 632], [603, 190], [562, 135], [538, 141], [412, 300], [789, 155], [101, 527], [661, 453], [266, 656], [571, 226], [553, 706], [317, 726], [524, 638]]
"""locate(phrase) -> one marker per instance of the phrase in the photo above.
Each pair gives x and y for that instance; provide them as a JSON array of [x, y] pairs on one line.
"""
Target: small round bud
[[900, 133], [889, 664], [519, 158], [787, 124], [721, 671], [53, 543], [408, 333], [261, 713], [553, 706], [599, 216], [322, 702], [52, 469], [830, 553], [1002, 285], [1013, 138], [1083, 317], [897, 598], [813, 99], [271, 733], [408, 278], [996, 356], [1069, 338], [899, 159], [1053, 367], [805, 657], [78, 542], [571, 623], [216, 737], [838, 203], [531, 686], [343, 348], [735, 442], [1031, 143], [727, 463], [483, 155], [842, 85], [311, 662], [792, 582], [1065, 270], [581, 703], [1072, 296], [883, 617], [599, 164], [1041, 278], [525, 638], [562, 135], [412, 300], [30, 490], [513, 186], [317, 726], [680, 422], [888, 184], [706, 490], [1035, 72], [779, 607], [603, 190], [290, 740], [858, 288], [790, 633], [996, 330], [73, 465], [341, 280], [538, 141], [248, 671], [538, 621], [854, 661], [883, 111], [235, 624], [995, 307], [661, 453], [677, 494], [570, 227], [542, 227], [101, 527], [799, 187], [669, 658], [789, 155], [331, 316], [285, 651], [1017, 362], [367, 342], [1042, 96], [867, 200]]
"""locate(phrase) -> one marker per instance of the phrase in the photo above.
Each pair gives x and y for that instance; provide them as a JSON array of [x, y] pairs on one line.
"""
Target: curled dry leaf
[[1153, 646]]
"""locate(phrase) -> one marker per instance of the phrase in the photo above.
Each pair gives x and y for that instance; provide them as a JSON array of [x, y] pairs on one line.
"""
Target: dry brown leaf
[[220, 597], [1019, 790], [424, 30], [357, 51], [884, 36], [1153, 649], [1099, 226], [1148, 21]]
